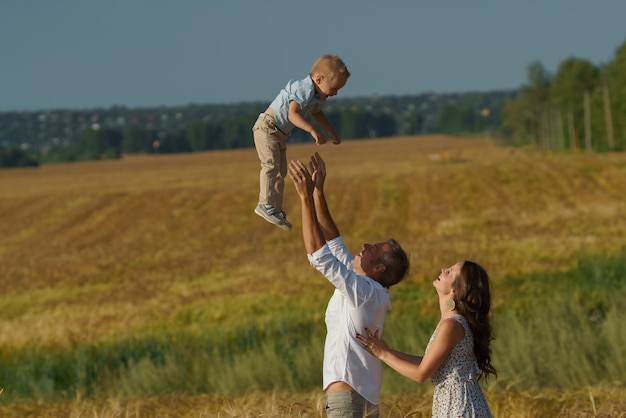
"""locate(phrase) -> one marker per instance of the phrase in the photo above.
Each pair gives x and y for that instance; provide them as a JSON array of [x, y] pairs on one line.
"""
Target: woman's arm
[[416, 368]]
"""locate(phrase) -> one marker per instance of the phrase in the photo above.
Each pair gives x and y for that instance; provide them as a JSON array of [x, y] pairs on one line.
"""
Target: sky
[[83, 54]]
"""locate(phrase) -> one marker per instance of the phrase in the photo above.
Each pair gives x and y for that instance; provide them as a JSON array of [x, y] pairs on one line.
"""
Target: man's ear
[[380, 268]]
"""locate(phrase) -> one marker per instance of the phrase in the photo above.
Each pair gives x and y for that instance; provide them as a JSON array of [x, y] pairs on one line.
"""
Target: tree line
[[110, 133], [581, 106]]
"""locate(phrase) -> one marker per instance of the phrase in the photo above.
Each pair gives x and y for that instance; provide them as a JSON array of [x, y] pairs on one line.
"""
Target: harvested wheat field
[[99, 252]]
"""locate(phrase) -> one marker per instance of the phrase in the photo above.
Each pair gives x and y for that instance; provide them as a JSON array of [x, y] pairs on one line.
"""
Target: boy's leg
[[271, 148], [280, 180]]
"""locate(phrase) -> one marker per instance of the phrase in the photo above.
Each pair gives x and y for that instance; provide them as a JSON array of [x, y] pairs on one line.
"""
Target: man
[[352, 376]]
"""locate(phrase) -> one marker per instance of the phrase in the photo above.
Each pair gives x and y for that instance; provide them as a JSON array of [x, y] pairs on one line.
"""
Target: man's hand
[[301, 177], [318, 168]]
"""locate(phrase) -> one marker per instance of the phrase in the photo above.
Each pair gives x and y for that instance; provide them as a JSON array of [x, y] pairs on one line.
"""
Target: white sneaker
[[274, 216]]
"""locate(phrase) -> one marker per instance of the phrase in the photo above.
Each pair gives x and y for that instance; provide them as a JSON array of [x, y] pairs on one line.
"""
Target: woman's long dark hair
[[473, 301]]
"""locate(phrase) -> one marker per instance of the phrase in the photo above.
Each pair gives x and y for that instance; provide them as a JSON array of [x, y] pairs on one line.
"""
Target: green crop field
[[147, 287]]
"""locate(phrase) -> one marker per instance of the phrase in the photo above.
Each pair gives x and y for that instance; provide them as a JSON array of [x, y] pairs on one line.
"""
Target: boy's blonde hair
[[330, 66]]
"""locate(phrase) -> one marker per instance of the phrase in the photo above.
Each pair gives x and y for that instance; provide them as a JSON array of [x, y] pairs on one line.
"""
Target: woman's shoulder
[[454, 321], [450, 329], [460, 319]]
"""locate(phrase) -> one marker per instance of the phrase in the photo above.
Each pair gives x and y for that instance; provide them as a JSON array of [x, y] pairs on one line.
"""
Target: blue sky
[[85, 54]]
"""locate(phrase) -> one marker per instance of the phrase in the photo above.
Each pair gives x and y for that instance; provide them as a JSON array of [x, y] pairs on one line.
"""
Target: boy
[[298, 99]]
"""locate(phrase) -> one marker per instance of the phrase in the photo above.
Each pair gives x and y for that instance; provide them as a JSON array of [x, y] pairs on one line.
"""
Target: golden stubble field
[[98, 250], [104, 248]]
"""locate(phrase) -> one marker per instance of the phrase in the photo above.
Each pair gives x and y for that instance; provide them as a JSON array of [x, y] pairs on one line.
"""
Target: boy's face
[[326, 88]]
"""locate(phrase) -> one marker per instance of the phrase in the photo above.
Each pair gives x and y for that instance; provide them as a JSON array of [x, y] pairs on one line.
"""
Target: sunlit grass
[[605, 401]]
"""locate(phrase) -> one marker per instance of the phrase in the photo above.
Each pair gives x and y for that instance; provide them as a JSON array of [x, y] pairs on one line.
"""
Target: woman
[[458, 354]]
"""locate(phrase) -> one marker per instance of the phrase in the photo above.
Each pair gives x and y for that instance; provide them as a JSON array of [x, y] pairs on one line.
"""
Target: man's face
[[366, 262]]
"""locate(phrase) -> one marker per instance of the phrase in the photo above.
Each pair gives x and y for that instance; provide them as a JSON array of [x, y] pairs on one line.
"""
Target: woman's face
[[443, 283]]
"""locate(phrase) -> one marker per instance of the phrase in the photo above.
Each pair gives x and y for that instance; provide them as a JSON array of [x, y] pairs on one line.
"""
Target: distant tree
[[383, 124], [238, 132], [215, 135], [415, 123], [94, 144], [97, 144], [334, 118], [359, 123], [15, 157], [61, 153], [536, 95], [199, 135], [137, 140], [517, 123], [573, 78], [354, 123], [454, 119], [523, 117], [175, 142], [615, 73]]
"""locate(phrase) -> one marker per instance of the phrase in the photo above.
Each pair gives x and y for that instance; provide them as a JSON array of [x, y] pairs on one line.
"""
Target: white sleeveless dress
[[457, 392]]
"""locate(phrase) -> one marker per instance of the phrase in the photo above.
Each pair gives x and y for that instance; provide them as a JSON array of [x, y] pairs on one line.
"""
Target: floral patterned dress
[[457, 392]]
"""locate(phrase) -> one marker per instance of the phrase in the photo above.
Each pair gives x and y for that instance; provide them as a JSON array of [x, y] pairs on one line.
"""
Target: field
[[164, 255]]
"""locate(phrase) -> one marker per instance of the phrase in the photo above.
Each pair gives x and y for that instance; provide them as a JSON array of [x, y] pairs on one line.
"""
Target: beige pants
[[348, 403], [271, 146]]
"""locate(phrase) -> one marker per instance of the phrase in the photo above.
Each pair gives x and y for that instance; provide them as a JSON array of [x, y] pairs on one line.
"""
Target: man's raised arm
[[329, 228], [311, 230]]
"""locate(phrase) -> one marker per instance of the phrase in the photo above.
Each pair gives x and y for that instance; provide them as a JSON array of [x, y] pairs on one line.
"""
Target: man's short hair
[[396, 262]]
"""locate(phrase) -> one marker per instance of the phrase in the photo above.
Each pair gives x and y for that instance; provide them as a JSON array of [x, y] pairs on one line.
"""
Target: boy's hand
[[318, 136], [336, 139]]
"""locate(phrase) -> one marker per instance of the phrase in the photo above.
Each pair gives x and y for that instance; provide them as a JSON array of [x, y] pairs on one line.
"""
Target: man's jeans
[[349, 404]]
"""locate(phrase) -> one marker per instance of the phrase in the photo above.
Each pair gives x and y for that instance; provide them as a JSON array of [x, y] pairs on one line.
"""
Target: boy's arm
[[295, 117], [320, 118]]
